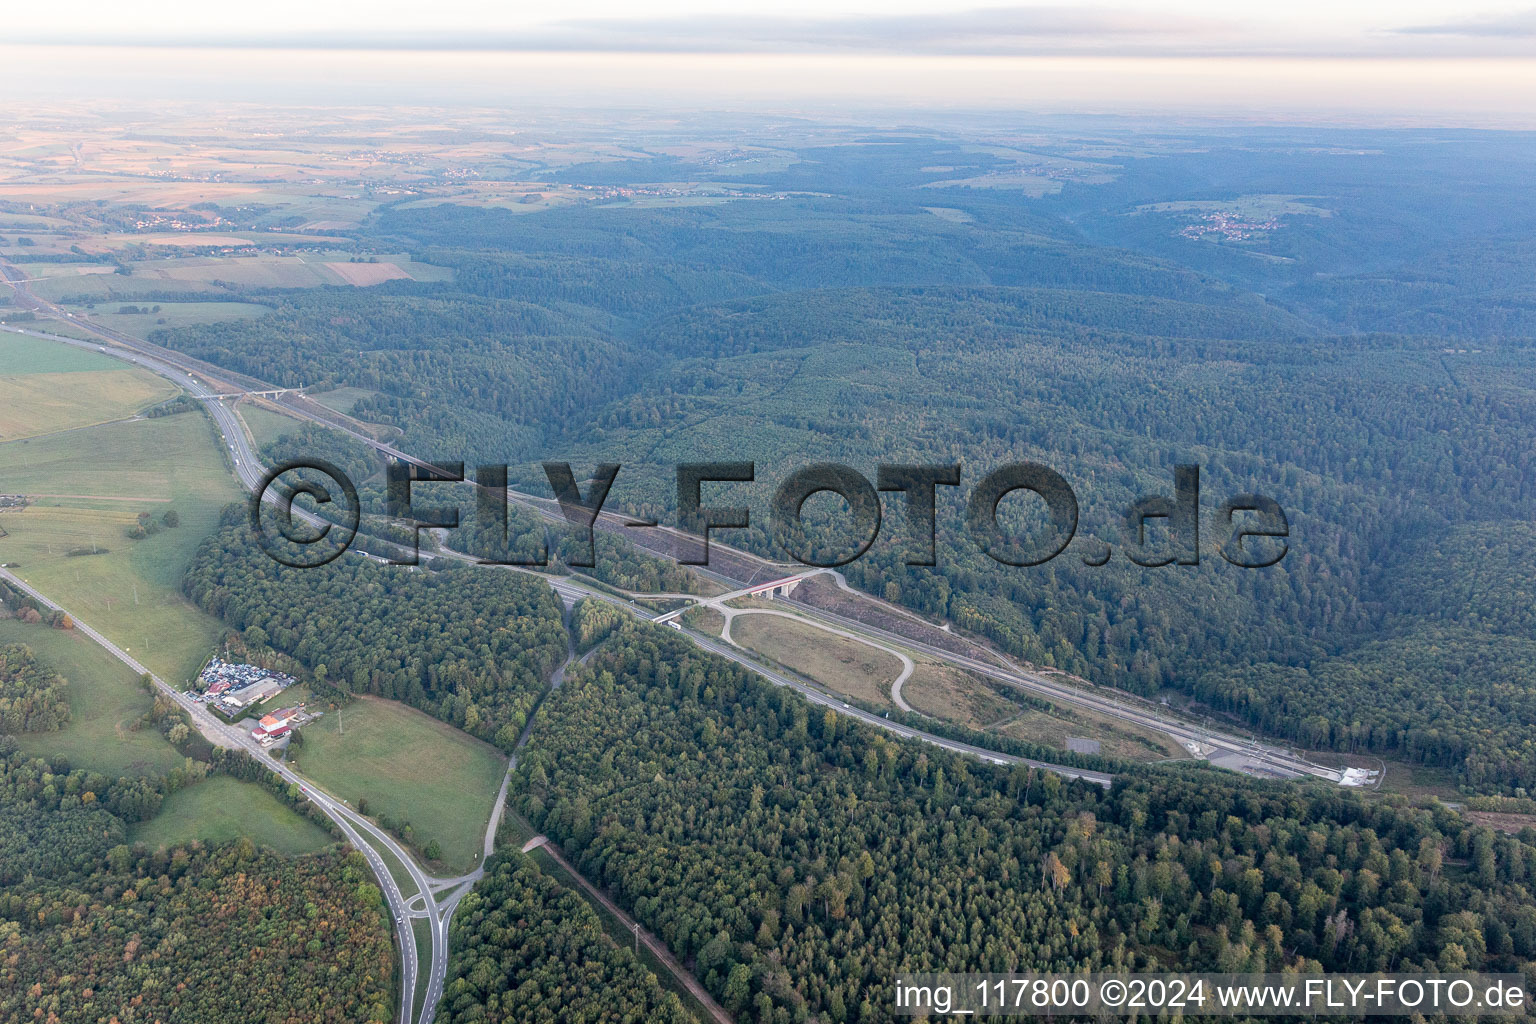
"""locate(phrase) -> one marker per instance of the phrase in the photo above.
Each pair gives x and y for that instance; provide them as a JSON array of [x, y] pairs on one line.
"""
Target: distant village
[[1229, 226]]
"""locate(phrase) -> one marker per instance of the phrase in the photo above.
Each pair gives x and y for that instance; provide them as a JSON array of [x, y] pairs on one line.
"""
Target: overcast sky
[[1430, 59], [1121, 27]]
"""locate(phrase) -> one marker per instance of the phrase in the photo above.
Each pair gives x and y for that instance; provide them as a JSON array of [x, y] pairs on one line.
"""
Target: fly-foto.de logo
[[1254, 528]]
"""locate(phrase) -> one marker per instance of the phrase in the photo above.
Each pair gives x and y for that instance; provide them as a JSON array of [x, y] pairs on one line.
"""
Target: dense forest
[[513, 368], [95, 929], [472, 647], [32, 697], [528, 951], [1372, 372], [800, 860]]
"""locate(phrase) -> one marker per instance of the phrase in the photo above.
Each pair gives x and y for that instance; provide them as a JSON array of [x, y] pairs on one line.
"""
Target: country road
[[200, 381], [224, 735]]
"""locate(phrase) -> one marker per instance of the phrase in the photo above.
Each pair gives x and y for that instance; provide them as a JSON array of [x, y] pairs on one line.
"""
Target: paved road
[[816, 696], [170, 364], [224, 735], [661, 541], [250, 471]]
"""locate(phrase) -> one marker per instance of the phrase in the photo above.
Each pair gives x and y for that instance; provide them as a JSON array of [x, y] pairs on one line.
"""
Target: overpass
[[271, 393]]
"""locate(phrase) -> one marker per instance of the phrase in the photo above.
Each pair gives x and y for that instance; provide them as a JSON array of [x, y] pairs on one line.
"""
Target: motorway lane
[[816, 696], [250, 472], [224, 735], [1122, 709], [567, 586], [1275, 758]]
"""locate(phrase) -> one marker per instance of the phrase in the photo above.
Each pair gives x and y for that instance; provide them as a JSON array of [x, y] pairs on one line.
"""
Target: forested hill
[[945, 319], [528, 951], [886, 319], [749, 248], [836, 858], [472, 647], [94, 929]]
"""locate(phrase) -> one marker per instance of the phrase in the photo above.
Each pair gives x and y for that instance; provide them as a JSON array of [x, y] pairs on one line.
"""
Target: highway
[[842, 707], [228, 736], [1212, 744], [250, 471], [212, 386]]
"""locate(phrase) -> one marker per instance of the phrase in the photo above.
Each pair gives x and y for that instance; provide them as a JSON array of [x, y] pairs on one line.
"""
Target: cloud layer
[[1137, 28]]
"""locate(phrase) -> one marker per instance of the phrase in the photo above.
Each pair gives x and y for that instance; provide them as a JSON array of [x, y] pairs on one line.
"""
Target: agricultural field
[[220, 275], [167, 315], [220, 809], [45, 271], [47, 387], [105, 702], [409, 767], [84, 291], [846, 666], [87, 487]]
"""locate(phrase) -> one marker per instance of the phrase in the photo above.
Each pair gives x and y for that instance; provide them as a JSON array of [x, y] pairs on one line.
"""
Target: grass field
[[45, 271], [265, 425], [952, 694], [88, 485], [342, 399], [174, 314], [423, 932], [707, 620], [46, 387], [407, 765], [264, 270], [105, 699], [220, 809], [41, 403], [110, 288], [22, 355], [955, 695], [847, 666]]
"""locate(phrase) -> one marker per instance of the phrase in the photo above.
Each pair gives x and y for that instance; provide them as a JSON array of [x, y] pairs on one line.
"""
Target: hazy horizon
[[1485, 92]]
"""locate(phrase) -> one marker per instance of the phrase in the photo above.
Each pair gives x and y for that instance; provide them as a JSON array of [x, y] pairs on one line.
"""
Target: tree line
[[799, 860]]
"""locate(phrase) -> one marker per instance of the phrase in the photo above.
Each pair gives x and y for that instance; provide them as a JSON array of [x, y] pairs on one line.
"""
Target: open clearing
[[341, 399], [220, 809], [407, 766], [365, 274], [265, 425], [211, 274], [707, 620], [954, 695], [847, 666], [105, 700], [41, 403], [114, 471], [45, 386], [175, 314]]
